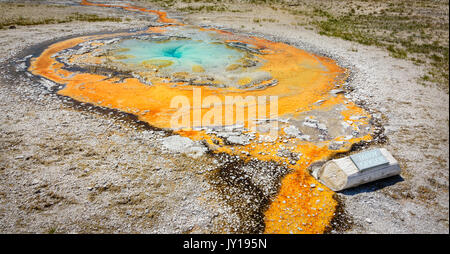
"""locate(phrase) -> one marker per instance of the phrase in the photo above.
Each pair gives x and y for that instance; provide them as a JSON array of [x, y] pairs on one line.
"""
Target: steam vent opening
[[305, 117]]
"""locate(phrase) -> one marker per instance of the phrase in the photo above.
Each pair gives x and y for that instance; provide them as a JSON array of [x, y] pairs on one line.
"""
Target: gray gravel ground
[[64, 169]]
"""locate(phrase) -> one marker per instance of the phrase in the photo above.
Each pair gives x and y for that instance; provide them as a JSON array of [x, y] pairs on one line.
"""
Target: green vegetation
[[206, 8], [51, 230], [258, 20], [23, 21], [198, 5], [416, 30], [402, 35]]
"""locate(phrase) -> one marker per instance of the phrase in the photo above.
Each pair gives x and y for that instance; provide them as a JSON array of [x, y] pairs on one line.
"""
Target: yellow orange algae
[[162, 16], [303, 205]]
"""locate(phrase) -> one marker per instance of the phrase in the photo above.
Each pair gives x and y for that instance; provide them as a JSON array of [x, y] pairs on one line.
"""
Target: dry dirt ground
[[64, 169]]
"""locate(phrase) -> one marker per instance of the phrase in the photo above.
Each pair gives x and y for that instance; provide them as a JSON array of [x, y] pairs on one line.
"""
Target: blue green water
[[183, 53]]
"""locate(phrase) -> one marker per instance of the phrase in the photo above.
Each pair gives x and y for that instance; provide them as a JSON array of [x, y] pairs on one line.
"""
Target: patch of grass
[[403, 35], [397, 52], [207, 8], [92, 18], [259, 20]]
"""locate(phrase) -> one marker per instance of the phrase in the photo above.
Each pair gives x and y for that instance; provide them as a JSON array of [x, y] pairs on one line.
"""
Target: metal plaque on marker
[[369, 159]]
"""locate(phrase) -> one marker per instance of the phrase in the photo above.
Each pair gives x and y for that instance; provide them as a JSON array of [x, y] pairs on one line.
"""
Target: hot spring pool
[[179, 55], [142, 72]]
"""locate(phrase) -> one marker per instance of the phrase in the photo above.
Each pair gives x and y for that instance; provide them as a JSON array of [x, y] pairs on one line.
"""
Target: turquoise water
[[183, 53]]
